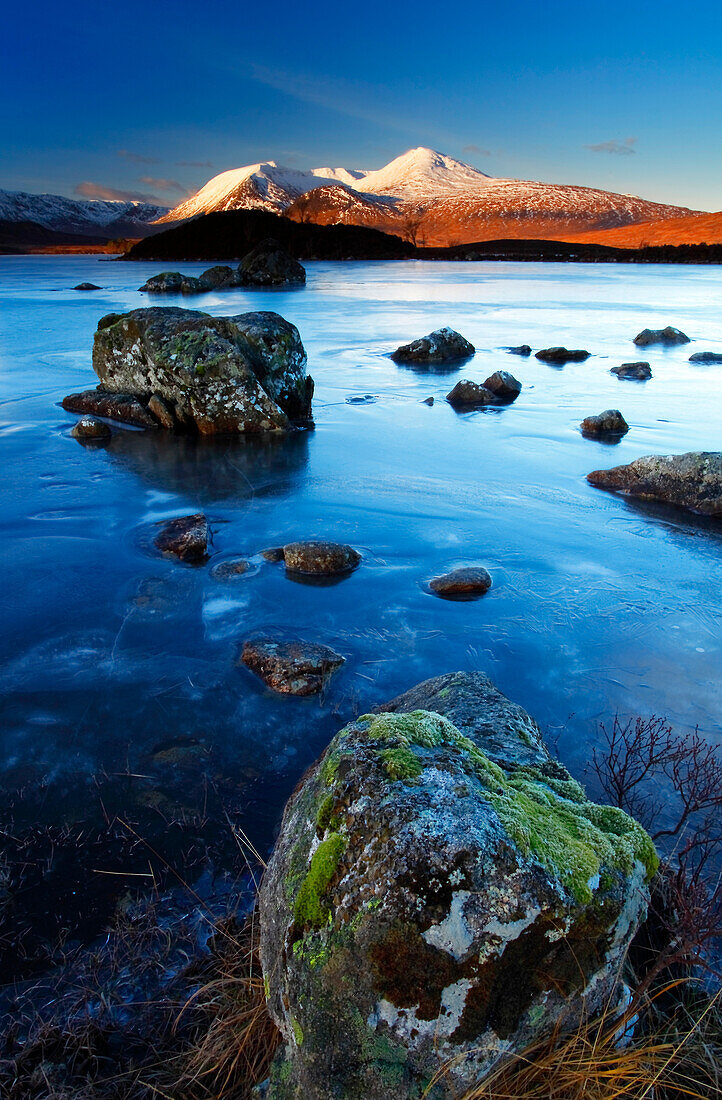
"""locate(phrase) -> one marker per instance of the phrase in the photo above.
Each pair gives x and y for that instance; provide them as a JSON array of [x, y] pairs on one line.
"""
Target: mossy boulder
[[441, 892], [270, 265], [207, 374]]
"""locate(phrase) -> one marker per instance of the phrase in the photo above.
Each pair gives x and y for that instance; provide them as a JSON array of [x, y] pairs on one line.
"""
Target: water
[[122, 702]]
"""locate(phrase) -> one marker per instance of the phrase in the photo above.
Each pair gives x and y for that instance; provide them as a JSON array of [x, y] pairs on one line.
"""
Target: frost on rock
[[441, 891]]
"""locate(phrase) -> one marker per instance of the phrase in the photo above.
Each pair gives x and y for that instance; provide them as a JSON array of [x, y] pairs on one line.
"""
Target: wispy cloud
[[136, 158], [194, 164], [164, 185], [620, 148], [88, 190], [476, 149]]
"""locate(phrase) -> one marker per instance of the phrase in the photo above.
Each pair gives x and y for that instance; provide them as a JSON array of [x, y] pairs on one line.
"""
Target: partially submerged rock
[[441, 893], [470, 395], [520, 349], [636, 372], [185, 538], [181, 369], [87, 286], [669, 336], [291, 667], [444, 345], [90, 428], [505, 387], [269, 264], [326, 559], [231, 569], [467, 583], [171, 282], [563, 355], [609, 422], [706, 357], [692, 480]]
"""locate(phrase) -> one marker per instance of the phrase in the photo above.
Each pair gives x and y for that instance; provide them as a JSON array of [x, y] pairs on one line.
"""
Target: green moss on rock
[[310, 908]]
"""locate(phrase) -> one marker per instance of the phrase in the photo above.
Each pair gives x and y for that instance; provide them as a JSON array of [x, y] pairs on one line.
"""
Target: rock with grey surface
[[692, 480], [441, 893]]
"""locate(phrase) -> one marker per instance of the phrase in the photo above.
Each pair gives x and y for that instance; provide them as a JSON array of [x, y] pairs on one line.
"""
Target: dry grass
[[677, 1059]]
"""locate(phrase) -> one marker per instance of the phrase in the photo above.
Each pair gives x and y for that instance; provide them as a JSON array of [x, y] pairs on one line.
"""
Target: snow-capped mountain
[[433, 197], [93, 217]]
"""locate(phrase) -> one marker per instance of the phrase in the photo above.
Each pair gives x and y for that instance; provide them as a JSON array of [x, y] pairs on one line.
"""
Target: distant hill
[[82, 219], [690, 229], [229, 236], [24, 236]]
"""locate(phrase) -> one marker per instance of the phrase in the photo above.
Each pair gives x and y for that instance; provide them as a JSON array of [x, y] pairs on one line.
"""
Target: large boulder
[[692, 480], [444, 345], [268, 264], [669, 336], [441, 893], [195, 372]]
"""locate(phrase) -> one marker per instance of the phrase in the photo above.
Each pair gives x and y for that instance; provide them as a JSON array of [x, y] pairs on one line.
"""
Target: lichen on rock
[[440, 893]]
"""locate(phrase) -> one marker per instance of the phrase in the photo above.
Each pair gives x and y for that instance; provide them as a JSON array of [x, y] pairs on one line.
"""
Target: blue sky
[[154, 98]]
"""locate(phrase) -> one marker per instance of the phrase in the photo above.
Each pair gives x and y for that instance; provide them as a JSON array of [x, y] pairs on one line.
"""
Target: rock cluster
[[500, 388], [444, 345], [692, 480], [669, 336], [267, 265], [187, 371], [442, 892]]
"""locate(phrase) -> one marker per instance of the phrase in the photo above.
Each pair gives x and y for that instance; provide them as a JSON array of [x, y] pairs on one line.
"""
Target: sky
[[152, 99]]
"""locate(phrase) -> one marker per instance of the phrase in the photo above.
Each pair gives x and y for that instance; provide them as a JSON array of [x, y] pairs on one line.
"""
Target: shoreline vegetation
[[231, 235]]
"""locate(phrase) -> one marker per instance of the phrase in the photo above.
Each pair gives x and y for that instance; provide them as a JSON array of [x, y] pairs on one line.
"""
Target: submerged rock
[[291, 668], [89, 427], [182, 369], [669, 336], [505, 387], [562, 355], [609, 422], [521, 349], [230, 570], [706, 357], [469, 395], [467, 583], [444, 345], [692, 480], [637, 372], [87, 286], [185, 538], [269, 264], [441, 893], [320, 558], [124, 407]]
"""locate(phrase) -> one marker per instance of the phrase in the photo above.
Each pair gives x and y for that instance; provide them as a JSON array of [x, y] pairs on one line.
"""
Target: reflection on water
[[121, 691]]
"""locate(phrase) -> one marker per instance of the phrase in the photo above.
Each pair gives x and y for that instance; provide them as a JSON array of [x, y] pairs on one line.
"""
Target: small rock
[[428, 401], [230, 570], [268, 264], [116, 406], [291, 668], [467, 583], [365, 399], [167, 282], [185, 537], [87, 286], [470, 395], [706, 357], [669, 336], [522, 349], [636, 372], [441, 346], [692, 480], [216, 277], [89, 427], [562, 355], [320, 558], [272, 554], [610, 422], [503, 385]]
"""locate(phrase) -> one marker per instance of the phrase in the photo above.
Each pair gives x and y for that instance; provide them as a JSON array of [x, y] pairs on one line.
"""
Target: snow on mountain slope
[[425, 194], [75, 215]]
